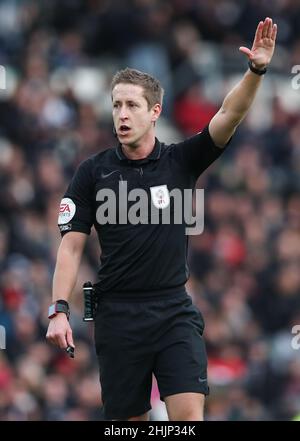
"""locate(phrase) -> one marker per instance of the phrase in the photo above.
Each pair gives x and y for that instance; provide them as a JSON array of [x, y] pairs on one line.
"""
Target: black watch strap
[[59, 306], [255, 70], [63, 302]]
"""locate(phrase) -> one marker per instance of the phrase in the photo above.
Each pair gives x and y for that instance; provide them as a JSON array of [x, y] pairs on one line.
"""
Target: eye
[[115, 105]]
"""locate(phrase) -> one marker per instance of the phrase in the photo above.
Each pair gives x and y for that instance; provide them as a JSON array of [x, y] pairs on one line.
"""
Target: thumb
[[246, 51], [70, 338]]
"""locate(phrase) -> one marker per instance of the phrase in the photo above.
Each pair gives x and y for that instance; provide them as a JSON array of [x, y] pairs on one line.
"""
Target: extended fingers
[[274, 32], [259, 29], [270, 27], [267, 29]]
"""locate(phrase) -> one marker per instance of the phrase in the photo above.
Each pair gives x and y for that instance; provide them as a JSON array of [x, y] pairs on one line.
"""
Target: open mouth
[[124, 129]]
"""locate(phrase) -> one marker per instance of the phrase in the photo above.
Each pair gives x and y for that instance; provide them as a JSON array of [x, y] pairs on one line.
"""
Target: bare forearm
[[67, 265], [234, 108], [239, 100], [65, 274]]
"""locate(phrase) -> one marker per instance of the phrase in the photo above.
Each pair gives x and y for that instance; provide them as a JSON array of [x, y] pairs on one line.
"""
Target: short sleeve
[[198, 152], [77, 206]]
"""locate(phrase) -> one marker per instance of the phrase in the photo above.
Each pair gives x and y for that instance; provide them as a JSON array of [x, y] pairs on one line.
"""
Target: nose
[[123, 113]]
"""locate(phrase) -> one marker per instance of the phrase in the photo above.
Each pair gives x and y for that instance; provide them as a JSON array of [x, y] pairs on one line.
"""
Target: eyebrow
[[127, 101]]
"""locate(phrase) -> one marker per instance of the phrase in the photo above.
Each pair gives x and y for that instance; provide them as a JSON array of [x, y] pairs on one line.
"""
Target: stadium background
[[59, 58]]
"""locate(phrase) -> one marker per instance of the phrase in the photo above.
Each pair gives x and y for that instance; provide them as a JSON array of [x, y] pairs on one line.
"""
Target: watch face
[[52, 310]]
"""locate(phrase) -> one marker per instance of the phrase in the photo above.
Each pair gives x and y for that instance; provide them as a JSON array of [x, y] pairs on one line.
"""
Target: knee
[[187, 415]]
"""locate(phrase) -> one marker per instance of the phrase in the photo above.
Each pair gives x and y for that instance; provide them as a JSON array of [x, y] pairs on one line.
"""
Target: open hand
[[263, 45]]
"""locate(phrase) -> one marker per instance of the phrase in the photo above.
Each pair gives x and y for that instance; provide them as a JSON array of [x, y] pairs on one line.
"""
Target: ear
[[156, 111]]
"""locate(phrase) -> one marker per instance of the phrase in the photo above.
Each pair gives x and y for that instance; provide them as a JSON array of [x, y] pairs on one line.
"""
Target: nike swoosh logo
[[201, 380], [106, 175]]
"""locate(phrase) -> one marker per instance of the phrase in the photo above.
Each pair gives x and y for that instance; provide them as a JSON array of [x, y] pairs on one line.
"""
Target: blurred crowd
[[59, 58]]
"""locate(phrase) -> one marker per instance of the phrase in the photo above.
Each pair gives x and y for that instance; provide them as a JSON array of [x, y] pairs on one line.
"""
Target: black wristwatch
[[59, 306], [255, 70]]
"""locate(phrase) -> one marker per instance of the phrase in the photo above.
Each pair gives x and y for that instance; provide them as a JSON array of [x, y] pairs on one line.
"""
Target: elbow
[[234, 118]]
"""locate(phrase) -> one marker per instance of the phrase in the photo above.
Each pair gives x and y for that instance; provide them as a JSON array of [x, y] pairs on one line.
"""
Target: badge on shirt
[[160, 196], [66, 211]]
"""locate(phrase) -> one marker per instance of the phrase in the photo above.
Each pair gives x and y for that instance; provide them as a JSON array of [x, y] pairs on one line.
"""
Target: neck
[[141, 149]]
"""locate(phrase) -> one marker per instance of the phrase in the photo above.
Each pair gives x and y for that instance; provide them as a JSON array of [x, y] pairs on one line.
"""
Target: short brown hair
[[153, 91]]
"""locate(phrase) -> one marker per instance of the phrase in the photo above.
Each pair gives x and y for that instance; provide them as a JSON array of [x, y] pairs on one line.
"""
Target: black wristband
[[256, 71], [63, 302], [59, 306]]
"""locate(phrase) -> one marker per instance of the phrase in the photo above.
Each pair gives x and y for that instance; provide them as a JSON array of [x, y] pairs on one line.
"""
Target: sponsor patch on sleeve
[[67, 227], [67, 211]]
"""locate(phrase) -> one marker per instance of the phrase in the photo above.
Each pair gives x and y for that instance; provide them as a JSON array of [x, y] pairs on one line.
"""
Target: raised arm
[[238, 101]]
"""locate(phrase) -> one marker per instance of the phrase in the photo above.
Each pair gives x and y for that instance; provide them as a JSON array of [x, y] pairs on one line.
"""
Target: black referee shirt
[[143, 259]]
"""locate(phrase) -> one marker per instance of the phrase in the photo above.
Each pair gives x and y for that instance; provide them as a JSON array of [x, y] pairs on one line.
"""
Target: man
[[146, 322]]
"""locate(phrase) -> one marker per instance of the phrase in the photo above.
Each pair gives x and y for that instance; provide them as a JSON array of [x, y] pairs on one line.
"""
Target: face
[[133, 120]]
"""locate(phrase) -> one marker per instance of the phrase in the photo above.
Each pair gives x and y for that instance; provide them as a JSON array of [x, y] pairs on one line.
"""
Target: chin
[[131, 142]]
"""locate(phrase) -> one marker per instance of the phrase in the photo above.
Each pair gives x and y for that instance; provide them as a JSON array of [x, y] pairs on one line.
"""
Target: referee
[[145, 322]]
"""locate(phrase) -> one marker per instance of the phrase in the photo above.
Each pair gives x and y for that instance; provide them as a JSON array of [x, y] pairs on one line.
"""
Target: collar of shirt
[[153, 156]]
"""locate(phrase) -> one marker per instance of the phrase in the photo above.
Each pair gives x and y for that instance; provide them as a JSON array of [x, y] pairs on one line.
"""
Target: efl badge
[[160, 196], [66, 211]]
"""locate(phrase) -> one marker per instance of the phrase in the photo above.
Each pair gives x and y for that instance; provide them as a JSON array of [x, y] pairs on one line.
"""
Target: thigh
[[181, 363], [143, 417], [125, 385], [125, 368]]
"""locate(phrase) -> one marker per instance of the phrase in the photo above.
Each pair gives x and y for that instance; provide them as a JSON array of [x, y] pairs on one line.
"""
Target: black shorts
[[137, 339]]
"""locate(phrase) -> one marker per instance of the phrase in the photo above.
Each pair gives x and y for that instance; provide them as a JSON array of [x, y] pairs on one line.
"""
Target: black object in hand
[[70, 351]]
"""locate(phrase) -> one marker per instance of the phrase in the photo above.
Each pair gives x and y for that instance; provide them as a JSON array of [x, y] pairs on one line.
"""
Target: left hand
[[263, 45]]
